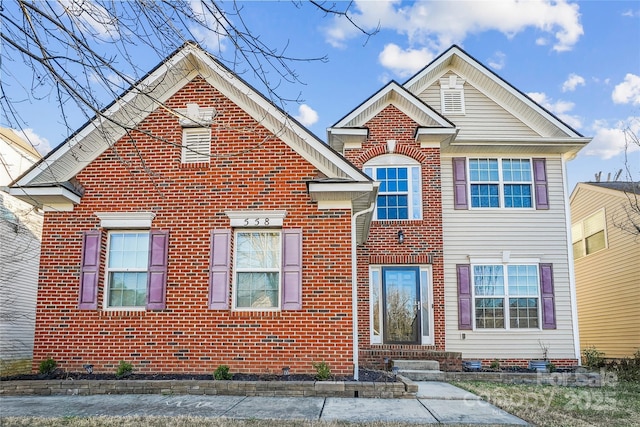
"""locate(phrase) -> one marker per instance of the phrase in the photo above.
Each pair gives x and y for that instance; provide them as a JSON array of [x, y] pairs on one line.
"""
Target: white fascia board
[[258, 107], [339, 187], [45, 195], [348, 131], [99, 121]]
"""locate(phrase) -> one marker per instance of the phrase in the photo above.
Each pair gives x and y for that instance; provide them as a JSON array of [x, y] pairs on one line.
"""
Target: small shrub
[[592, 357], [495, 365], [124, 369], [551, 367], [627, 369], [47, 366], [222, 373], [323, 371]]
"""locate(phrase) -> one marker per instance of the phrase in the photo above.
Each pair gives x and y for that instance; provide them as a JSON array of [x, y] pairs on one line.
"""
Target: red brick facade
[[423, 238], [250, 169]]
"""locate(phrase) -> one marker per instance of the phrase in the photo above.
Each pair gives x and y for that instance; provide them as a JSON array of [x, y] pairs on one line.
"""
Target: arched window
[[399, 196]]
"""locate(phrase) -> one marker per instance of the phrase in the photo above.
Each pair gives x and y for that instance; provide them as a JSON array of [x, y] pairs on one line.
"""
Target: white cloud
[[91, 17], [627, 92], [39, 143], [572, 82], [404, 62], [609, 141], [559, 108], [211, 33], [497, 61], [306, 115], [438, 24]]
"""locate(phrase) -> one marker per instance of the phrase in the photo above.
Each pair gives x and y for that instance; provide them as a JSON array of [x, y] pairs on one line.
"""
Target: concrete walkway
[[436, 403]]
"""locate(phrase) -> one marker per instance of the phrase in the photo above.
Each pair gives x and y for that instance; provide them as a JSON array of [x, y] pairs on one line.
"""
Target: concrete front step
[[422, 375], [417, 365]]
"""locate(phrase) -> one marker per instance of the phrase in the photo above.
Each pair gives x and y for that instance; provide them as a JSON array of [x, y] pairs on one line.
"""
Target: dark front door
[[401, 308]]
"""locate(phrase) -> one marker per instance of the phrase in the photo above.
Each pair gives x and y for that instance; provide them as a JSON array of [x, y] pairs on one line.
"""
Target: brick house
[[217, 230]]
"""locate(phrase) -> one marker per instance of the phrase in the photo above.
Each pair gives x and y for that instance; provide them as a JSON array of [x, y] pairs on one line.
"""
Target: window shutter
[[464, 297], [460, 183], [540, 181], [547, 296], [157, 276], [292, 269], [89, 270], [219, 267], [196, 145]]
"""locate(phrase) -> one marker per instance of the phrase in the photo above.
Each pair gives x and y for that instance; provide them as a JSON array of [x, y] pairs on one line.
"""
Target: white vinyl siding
[[483, 118], [196, 145], [515, 234]]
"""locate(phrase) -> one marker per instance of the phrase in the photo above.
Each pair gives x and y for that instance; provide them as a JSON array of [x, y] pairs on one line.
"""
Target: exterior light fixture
[[400, 236], [88, 368], [285, 371]]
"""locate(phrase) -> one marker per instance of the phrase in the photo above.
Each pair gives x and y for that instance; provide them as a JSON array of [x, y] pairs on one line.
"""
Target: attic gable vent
[[196, 145], [452, 95]]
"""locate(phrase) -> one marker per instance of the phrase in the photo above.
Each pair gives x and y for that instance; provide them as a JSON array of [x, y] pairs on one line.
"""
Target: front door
[[401, 307]]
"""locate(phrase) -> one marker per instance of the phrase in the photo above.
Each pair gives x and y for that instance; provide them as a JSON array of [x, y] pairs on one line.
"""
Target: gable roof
[[351, 126], [498, 89], [48, 182], [614, 188]]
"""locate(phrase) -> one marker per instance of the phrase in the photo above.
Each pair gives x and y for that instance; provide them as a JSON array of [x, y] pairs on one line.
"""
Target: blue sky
[[580, 60]]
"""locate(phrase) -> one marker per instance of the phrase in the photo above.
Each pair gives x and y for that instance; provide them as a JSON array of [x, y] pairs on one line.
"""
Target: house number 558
[[256, 221]]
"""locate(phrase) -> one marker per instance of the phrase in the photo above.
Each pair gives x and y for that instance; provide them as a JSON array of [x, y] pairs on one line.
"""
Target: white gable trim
[[63, 164], [447, 61]]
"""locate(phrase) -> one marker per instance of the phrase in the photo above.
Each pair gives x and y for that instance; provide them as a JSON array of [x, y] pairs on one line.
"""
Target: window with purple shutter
[[460, 183], [547, 296], [157, 273], [292, 269], [89, 270], [219, 267], [540, 182], [465, 306]]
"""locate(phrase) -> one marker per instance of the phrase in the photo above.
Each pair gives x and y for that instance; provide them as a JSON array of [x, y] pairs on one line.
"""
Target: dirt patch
[[364, 375]]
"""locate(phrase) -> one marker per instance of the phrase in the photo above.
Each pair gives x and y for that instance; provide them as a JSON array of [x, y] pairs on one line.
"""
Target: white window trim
[[425, 340], [501, 183], [125, 220], [235, 270], [398, 161], [505, 297], [583, 236], [107, 270]]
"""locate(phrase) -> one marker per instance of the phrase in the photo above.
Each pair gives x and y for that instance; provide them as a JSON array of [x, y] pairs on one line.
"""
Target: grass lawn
[[610, 406]]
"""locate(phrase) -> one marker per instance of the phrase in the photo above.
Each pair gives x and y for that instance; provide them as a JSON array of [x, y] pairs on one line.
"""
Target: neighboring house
[[20, 233], [238, 237], [607, 264]]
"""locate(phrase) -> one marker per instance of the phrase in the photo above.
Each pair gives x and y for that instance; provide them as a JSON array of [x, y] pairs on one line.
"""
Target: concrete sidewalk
[[436, 403]]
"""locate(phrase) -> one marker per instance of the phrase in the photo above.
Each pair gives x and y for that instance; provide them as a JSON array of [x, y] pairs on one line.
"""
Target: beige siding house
[[504, 143], [607, 265]]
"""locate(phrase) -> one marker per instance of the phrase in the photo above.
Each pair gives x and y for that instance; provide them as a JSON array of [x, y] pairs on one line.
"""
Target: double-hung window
[[257, 269], [127, 264], [496, 183], [399, 193], [506, 296], [589, 235]]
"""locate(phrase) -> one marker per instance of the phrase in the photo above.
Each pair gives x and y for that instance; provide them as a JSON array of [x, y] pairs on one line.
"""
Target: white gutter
[[572, 272], [354, 285]]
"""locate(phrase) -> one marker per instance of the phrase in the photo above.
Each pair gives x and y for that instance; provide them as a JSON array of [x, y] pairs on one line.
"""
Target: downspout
[[572, 272], [354, 285]]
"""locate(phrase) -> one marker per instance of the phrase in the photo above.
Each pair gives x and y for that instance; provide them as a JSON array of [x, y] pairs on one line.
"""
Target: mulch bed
[[365, 375]]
